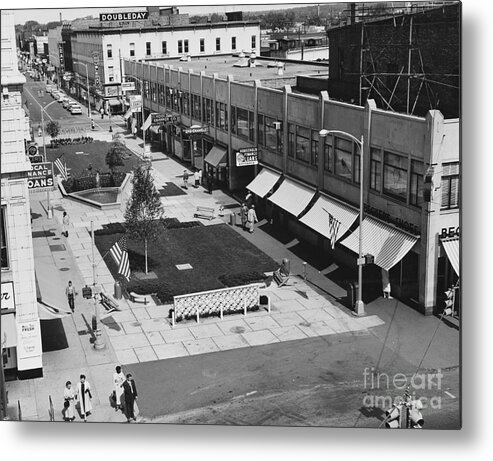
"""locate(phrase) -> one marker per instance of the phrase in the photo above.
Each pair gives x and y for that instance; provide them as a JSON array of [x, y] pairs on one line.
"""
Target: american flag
[[333, 230], [120, 254], [61, 168]]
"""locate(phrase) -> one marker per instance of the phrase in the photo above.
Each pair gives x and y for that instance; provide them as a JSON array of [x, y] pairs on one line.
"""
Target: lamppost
[[142, 111], [360, 305], [88, 91], [98, 343]]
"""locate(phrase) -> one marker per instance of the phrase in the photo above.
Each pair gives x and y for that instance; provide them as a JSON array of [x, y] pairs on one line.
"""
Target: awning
[[114, 102], [128, 114], [452, 248], [292, 197], [386, 243], [215, 156], [8, 331], [155, 129], [317, 218], [147, 123], [50, 292], [263, 182]]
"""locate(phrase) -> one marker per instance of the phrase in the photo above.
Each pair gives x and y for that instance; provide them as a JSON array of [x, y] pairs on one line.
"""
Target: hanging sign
[[40, 176], [247, 156]]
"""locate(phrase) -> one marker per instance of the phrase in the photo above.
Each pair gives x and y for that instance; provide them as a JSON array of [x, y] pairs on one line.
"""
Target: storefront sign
[[95, 61], [384, 216], [448, 232], [128, 86], [161, 119], [247, 156], [111, 91], [40, 176], [135, 103], [29, 339], [199, 130], [128, 16], [7, 300], [61, 57]]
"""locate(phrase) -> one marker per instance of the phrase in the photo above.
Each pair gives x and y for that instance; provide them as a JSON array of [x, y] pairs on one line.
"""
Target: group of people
[[248, 217], [124, 397], [197, 178]]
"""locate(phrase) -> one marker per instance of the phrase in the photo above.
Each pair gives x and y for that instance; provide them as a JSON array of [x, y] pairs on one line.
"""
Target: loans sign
[[40, 176], [247, 156]]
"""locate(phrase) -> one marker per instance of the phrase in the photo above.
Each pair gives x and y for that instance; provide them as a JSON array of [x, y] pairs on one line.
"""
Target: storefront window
[[168, 96], [207, 107], [221, 116], [328, 154], [315, 141], [450, 186], [395, 176], [160, 95], [273, 137], [196, 106], [375, 169], [242, 122], [185, 103], [291, 137], [343, 150], [4, 250], [417, 172], [303, 144], [261, 131]]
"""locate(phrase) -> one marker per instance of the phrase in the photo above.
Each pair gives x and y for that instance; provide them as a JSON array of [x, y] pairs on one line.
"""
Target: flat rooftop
[[224, 65]]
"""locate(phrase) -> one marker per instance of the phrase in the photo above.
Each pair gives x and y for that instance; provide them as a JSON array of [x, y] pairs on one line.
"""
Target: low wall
[[220, 302]]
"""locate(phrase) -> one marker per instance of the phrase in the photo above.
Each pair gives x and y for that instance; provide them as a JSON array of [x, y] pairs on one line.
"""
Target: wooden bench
[[136, 298], [204, 212], [281, 277], [109, 302]]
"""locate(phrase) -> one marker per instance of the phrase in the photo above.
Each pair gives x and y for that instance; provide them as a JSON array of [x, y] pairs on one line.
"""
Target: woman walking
[[69, 402]]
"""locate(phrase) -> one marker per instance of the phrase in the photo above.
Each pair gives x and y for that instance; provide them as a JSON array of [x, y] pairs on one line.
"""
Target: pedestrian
[[200, 177], [40, 132], [70, 292], [69, 402], [252, 219], [101, 111], [185, 179], [196, 177], [249, 199], [118, 380], [65, 224], [210, 180], [92, 124], [84, 396], [130, 397], [244, 215]]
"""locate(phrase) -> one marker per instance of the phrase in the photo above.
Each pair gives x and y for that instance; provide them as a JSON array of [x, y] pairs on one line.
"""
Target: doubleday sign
[[40, 176]]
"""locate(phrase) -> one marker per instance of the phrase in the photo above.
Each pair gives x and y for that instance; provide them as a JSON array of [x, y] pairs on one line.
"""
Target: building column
[[287, 91], [256, 85]]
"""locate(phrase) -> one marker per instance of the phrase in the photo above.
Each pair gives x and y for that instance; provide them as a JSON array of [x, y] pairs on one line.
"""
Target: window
[[291, 138], [233, 43], [273, 137], [185, 43], [450, 186], [109, 51], [261, 130], [328, 154], [180, 46], [132, 49], [218, 44], [375, 169], [202, 45], [208, 110], [164, 47], [240, 122], [196, 106], [146, 89], [254, 42], [185, 103], [357, 164], [148, 48], [315, 141], [303, 144], [111, 73], [221, 116], [395, 176], [417, 173], [160, 97], [343, 156], [5, 258]]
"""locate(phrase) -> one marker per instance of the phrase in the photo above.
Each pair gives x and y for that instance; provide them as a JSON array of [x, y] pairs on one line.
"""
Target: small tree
[[115, 156], [144, 209], [53, 128]]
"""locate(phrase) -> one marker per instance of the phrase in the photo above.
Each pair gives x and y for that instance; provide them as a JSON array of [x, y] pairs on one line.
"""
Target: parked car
[[67, 102], [75, 109], [63, 98], [57, 94]]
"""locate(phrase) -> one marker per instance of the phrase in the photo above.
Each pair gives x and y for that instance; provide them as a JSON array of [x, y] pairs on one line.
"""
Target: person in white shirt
[[252, 219]]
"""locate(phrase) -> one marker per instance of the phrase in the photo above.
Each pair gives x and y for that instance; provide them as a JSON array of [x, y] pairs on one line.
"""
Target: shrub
[[174, 223], [89, 182], [242, 278]]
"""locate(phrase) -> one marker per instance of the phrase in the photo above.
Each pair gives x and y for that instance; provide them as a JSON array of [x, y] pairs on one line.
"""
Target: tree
[[53, 128], [144, 209], [115, 156]]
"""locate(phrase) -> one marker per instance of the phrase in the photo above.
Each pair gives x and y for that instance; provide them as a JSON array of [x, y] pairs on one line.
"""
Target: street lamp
[[88, 91], [142, 111], [360, 305]]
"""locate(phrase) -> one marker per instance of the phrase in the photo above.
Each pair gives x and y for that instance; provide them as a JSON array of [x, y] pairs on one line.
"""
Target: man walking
[[101, 111], [84, 396], [130, 396], [244, 216], [252, 219], [196, 177], [118, 380], [70, 292], [209, 182], [185, 179]]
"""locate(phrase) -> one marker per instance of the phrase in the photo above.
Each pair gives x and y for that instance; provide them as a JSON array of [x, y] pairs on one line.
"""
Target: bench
[[204, 212], [136, 298], [109, 302], [281, 277]]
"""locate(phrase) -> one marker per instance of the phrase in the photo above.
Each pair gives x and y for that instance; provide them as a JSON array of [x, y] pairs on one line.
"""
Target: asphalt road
[[311, 382]]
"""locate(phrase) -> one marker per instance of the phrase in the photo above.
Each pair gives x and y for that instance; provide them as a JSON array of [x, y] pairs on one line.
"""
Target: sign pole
[[48, 204]]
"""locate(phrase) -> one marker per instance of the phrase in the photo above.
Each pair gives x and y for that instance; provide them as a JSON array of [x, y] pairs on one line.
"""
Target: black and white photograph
[[232, 215]]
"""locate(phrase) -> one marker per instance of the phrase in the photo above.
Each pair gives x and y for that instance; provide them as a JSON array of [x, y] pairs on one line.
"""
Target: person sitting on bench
[[281, 275]]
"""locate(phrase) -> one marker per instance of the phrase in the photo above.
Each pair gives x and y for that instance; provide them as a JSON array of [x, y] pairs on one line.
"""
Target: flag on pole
[[120, 254], [333, 230], [61, 167]]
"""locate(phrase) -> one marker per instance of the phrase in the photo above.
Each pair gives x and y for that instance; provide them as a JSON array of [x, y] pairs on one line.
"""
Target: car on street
[[63, 98], [56, 94], [75, 109], [66, 103]]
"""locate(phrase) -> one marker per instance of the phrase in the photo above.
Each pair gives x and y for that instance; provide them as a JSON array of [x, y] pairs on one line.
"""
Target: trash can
[[117, 291], [352, 293], [232, 219]]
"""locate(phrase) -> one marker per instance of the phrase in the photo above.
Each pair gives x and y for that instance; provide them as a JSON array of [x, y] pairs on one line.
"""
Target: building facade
[[20, 324], [217, 117]]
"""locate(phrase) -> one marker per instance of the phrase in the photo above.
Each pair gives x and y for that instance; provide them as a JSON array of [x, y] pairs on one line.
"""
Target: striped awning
[[128, 114], [263, 182], [155, 129], [317, 218], [386, 243], [216, 156], [452, 248], [147, 123], [292, 196]]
